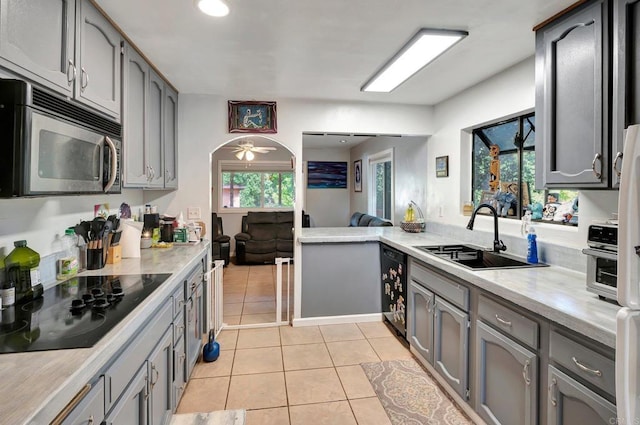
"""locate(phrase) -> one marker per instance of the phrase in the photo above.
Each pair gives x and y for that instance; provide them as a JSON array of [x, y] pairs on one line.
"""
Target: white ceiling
[[326, 49]]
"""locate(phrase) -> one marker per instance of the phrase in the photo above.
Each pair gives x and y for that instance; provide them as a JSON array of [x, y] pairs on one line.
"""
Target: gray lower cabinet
[[131, 409], [506, 386], [451, 345], [420, 320], [570, 403], [193, 327], [161, 381], [90, 410], [37, 41], [572, 98], [179, 371]]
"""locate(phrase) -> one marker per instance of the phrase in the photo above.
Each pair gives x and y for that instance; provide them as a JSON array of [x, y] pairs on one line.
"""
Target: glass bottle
[[22, 268]]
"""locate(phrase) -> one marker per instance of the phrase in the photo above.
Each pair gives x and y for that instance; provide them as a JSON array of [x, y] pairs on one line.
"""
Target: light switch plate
[[193, 213]]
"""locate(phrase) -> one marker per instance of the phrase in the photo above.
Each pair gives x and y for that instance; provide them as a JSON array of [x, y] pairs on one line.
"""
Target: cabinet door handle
[[84, 79], [615, 164], [144, 390], [90, 421], [526, 372], [595, 372], [154, 369], [71, 72], [552, 392], [596, 158], [503, 321]]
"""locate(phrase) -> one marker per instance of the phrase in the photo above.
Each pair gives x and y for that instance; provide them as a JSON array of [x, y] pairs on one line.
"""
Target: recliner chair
[[221, 244]]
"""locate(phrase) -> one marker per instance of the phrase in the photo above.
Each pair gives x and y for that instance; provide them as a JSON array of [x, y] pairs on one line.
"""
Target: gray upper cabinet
[[135, 87], [572, 98], [65, 45], [37, 41], [98, 59], [626, 77], [506, 388], [170, 139], [150, 126], [570, 403]]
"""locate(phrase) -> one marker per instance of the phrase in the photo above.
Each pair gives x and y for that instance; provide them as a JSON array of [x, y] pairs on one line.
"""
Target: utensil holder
[[95, 258]]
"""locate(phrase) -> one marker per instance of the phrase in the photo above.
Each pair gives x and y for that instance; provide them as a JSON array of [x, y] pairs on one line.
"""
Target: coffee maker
[[151, 227]]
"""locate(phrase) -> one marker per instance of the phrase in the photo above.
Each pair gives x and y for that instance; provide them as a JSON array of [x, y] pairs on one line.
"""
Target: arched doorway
[[253, 174]]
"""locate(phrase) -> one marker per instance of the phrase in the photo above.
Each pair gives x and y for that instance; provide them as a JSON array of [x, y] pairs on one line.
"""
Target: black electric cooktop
[[76, 313]]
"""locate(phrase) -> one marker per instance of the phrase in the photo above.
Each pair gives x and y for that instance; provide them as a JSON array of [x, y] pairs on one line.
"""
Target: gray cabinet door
[[155, 121], [36, 40], [91, 409], [420, 320], [161, 380], [179, 371], [506, 386], [626, 78], [98, 58], [572, 95], [170, 139], [135, 88], [131, 408], [451, 345], [570, 403]]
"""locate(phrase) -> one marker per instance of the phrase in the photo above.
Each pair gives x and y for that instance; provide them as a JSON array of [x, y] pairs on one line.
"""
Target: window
[[256, 188], [381, 185], [515, 139]]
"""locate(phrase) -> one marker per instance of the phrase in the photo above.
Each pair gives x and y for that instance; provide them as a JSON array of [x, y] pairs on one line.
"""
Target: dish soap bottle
[[532, 246], [22, 268]]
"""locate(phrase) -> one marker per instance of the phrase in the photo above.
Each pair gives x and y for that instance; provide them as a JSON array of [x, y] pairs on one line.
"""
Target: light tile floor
[[295, 376]]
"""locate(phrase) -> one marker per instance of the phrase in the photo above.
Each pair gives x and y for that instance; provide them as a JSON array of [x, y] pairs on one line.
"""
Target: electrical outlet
[[193, 213]]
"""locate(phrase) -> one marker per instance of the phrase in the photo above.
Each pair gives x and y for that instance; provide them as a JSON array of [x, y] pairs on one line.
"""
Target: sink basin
[[477, 258]]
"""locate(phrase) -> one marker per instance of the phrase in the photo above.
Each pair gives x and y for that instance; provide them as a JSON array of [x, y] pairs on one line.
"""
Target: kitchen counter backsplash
[[567, 257]]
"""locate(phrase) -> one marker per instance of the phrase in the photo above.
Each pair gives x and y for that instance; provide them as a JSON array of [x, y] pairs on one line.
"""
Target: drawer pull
[[615, 164], [595, 372], [504, 322], [597, 158], [553, 398], [525, 373]]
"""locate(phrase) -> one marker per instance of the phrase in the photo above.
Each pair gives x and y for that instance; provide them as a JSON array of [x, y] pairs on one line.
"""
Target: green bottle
[[21, 266]]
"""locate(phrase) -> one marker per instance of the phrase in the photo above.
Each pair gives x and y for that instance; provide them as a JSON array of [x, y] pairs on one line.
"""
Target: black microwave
[[51, 146]]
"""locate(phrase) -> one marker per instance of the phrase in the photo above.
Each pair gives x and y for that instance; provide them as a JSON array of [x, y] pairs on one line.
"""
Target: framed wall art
[[252, 117], [326, 175], [442, 166], [357, 175]]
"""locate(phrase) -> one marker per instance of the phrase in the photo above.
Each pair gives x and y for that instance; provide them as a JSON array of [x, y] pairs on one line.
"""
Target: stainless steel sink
[[477, 258]]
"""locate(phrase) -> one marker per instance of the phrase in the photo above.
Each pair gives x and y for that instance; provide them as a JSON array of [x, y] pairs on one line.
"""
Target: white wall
[[328, 207], [409, 171], [509, 93]]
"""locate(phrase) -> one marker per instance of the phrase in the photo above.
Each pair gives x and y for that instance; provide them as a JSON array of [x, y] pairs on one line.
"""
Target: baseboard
[[337, 320], [462, 404]]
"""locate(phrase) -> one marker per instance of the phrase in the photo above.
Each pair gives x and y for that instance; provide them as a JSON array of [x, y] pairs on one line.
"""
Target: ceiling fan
[[246, 149]]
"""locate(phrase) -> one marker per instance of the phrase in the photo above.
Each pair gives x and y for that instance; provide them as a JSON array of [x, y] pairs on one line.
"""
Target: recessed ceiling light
[[423, 48], [216, 8]]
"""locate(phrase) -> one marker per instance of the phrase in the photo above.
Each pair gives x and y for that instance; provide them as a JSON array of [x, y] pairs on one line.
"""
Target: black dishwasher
[[393, 273]]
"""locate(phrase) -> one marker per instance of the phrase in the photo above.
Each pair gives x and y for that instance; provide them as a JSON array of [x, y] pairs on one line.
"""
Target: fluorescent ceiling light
[[423, 48], [216, 8]]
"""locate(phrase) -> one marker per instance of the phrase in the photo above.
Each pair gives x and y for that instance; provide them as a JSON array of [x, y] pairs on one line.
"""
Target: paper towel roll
[[130, 241]]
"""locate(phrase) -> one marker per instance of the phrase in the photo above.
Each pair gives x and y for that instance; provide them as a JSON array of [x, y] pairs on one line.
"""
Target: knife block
[[114, 255]]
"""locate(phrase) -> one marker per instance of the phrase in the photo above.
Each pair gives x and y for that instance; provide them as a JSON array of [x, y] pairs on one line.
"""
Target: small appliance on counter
[[151, 227], [602, 260]]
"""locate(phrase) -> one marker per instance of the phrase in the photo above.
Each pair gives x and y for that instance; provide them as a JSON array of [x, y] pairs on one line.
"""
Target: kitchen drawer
[[119, 374], [178, 300], [178, 327], [584, 362], [508, 321], [447, 288], [89, 409]]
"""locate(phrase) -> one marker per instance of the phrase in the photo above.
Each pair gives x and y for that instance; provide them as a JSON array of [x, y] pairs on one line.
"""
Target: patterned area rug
[[410, 396]]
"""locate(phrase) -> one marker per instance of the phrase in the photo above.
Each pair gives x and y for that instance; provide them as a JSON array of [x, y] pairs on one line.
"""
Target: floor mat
[[410, 396]]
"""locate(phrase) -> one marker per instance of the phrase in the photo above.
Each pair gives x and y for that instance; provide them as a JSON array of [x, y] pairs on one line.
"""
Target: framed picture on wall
[[442, 166], [326, 175], [252, 117], [357, 175]]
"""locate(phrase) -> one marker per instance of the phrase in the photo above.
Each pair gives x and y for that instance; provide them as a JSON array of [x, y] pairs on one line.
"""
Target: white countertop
[[553, 292], [36, 386]]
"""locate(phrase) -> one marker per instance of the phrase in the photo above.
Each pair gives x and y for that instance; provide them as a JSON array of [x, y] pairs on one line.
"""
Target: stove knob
[[88, 298], [97, 292], [77, 304], [117, 291]]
